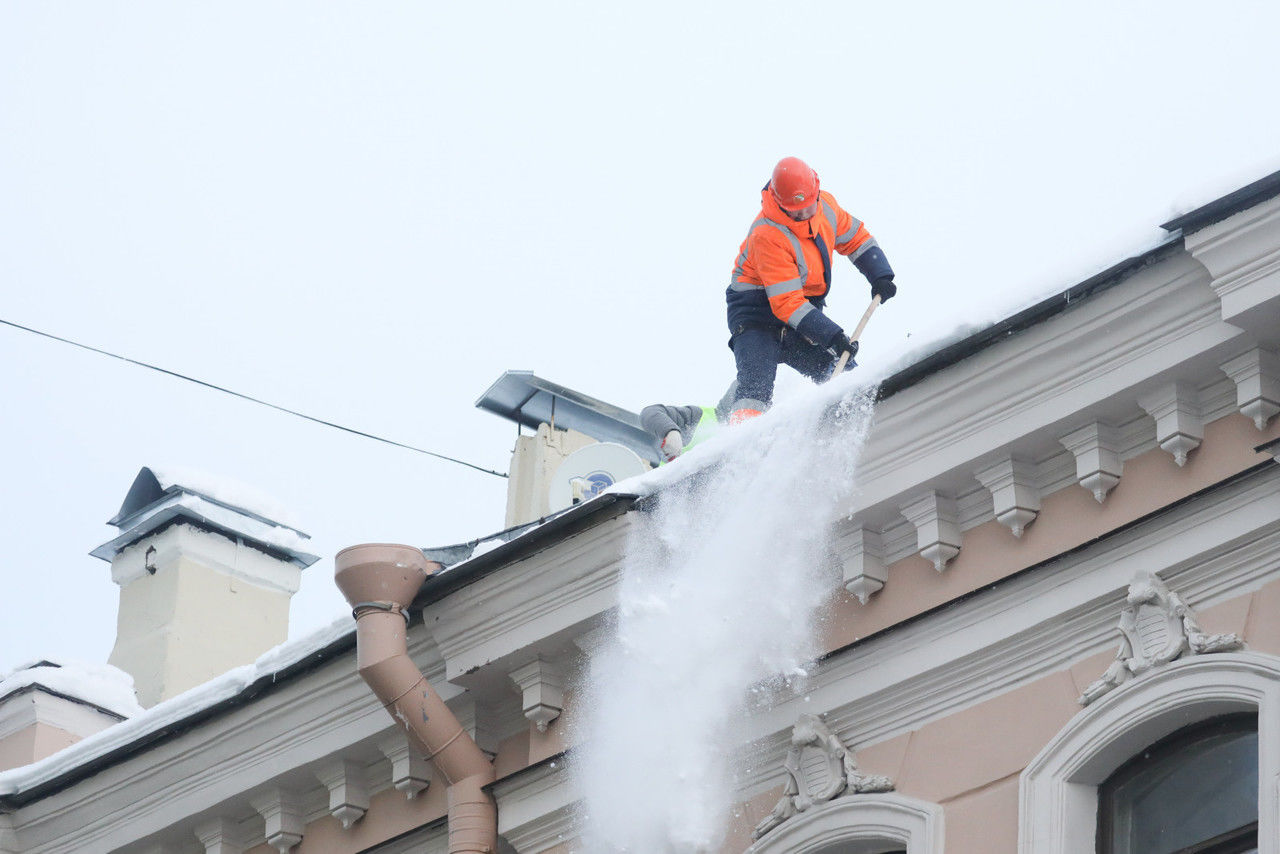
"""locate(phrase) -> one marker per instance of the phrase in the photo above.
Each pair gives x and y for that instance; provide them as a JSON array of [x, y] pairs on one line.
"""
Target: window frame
[[1058, 790], [1238, 723], [888, 819]]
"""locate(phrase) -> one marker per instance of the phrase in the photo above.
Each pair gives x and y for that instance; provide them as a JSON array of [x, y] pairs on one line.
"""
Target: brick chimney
[[205, 580]]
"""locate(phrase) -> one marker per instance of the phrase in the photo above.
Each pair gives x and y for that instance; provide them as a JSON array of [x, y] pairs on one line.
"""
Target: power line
[[248, 397]]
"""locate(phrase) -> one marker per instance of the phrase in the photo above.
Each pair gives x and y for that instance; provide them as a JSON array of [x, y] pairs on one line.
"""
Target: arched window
[[1060, 798], [1194, 792], [887, 823]]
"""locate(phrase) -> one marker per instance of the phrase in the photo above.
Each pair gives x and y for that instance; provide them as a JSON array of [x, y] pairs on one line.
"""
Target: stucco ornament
[[1156, 627], [819, 768]]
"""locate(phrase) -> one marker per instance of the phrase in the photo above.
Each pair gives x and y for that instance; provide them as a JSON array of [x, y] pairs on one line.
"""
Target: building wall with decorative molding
[[989, 656]]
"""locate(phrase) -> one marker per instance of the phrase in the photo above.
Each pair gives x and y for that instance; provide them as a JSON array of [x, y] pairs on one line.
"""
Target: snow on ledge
[[227, 491], [101, 685], [173, 711]]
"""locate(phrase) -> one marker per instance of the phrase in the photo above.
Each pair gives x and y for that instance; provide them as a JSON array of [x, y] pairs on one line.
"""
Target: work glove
[[839, 342], [883, 288], [672, 445]]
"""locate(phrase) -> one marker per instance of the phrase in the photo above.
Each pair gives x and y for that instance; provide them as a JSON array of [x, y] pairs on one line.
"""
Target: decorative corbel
[[592, 642], [542, 685], [348, 790], [282, 814], [863, 564], [1096, 447], [410, 771], [937, 527], [477, 721], [1014, 492], [1156, 627], [1175, 407], [221, 836], [1257, 378]]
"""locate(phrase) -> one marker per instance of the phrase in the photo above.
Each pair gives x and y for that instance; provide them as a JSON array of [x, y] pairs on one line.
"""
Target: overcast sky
[[367, 212]]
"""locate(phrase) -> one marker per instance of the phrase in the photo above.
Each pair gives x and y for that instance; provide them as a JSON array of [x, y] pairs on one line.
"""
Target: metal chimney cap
[[529, 400]]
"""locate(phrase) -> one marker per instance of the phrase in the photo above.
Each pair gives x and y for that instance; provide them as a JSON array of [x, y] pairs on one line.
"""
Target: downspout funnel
[[380, 580]]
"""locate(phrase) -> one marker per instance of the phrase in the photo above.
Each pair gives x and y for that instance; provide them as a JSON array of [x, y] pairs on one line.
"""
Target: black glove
[[883, 288], [839, 342]]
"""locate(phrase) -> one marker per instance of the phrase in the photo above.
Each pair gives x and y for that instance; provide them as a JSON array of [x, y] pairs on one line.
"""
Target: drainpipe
[[380, 580]]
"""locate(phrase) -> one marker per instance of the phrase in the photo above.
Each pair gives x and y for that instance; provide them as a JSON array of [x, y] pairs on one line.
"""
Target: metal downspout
[[380, 580]]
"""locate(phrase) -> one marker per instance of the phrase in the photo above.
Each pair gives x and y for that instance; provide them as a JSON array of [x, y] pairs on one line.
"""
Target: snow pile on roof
[[227, 491], [798, 400], [180, 504], [174, 710], [281, 537], [100, 685]]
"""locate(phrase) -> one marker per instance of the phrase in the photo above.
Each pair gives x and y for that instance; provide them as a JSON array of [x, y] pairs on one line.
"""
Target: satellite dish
[[589, 471]]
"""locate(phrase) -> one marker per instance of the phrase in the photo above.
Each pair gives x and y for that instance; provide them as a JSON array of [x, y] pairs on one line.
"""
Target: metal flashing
[[575, 520], [1228, 205], [181, 505], [529, 400]]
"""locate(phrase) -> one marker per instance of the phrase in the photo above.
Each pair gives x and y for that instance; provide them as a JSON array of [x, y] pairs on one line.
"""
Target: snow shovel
[[846, 358]]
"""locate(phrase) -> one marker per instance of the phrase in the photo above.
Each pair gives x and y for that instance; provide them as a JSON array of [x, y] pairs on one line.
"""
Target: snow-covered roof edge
[[177, 714], [101, 686]]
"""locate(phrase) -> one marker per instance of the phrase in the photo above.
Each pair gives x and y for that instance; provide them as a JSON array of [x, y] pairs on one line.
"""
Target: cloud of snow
[[721, 586]]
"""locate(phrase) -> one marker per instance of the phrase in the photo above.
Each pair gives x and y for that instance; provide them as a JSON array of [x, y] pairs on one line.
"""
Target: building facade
[[1057, 627]]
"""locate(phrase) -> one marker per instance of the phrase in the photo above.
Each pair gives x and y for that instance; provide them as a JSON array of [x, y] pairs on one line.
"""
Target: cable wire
[[249, 398]]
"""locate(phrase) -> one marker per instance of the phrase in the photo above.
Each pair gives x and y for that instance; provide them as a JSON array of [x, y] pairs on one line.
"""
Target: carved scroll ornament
[[1156, 627], [818, 769]]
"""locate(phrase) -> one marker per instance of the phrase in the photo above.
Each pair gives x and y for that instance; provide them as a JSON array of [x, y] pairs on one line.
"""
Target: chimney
[[205, 579], [533, 462], [564, 421]]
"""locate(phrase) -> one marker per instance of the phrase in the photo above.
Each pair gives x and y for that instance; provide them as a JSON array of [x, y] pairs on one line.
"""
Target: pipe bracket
[[361, 607]]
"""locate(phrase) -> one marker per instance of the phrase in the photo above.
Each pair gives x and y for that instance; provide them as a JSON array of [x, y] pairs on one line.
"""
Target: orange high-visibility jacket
[[780, 271]]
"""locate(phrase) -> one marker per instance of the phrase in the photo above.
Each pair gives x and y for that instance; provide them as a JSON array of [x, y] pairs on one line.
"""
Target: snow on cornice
[[102, 685], [173, 714]]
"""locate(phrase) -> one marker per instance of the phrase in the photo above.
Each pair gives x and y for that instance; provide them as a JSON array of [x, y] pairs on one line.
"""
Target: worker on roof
[[676, 429], [780, 283]]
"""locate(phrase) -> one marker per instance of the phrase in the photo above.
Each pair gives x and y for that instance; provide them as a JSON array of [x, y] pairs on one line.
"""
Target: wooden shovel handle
[[853, 339], [866, 315]]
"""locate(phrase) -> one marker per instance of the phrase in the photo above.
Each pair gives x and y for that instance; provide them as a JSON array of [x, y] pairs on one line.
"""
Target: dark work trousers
[[758, 351]]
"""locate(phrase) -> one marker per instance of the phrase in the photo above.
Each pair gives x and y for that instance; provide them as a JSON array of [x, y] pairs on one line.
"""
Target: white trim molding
[[860, 824], [1058, 804]]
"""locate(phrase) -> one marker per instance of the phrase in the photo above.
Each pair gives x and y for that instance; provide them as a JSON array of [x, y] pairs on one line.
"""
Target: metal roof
[[529, 400], [1232, 203], [150, 507]]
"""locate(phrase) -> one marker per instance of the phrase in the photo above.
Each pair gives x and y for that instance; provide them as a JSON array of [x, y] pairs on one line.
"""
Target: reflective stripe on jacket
[[781, 270], [708, 425]]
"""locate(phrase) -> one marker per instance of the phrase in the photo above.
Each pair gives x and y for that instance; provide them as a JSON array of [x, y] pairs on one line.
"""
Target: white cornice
[[1242, 253], [523, 604], [536, 808], [37, 706], [1052, 374], [1217, 547], [251, 747]]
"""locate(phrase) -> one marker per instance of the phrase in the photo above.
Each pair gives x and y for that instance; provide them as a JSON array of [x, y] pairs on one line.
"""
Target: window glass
[[1196, 791]]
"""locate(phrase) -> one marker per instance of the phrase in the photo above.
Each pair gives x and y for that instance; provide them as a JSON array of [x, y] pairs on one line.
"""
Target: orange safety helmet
[[794, 185]]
